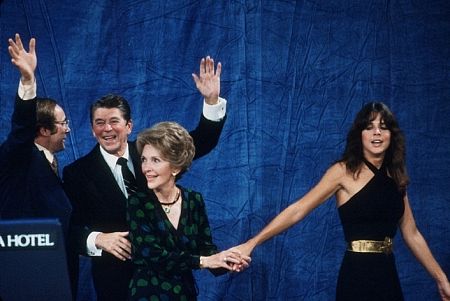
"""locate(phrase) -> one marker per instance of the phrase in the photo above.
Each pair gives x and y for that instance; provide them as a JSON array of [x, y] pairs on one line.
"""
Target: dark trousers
[[111, 278]]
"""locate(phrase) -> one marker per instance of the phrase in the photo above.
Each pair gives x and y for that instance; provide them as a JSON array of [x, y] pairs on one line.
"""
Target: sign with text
[[10, 241], [33, 261]]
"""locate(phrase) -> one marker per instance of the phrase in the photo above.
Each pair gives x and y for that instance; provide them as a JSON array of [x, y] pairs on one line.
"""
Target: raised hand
[[208, 80], [25, 61], [115, 243]]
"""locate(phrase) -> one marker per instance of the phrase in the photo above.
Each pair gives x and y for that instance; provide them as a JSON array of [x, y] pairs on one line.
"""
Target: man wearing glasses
[[29, 183]]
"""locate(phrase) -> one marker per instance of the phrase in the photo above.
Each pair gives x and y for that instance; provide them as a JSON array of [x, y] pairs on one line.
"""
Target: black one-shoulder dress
[[373, 213]]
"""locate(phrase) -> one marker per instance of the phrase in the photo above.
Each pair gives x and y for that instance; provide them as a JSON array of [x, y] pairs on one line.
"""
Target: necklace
[[167, 206]]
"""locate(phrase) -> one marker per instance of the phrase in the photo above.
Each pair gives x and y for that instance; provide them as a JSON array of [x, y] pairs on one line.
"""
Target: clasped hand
[[230, 259]]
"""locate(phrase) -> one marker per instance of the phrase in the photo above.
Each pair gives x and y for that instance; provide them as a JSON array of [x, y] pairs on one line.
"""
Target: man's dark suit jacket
[[99, 205], [28, 186]]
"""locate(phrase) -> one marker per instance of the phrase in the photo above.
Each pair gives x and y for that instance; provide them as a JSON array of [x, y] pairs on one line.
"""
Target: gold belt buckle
[[371, 246], [386, 246]]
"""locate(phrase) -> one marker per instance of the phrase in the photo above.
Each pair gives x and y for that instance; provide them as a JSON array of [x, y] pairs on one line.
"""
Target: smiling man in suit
[[29, 182], [98, 185]]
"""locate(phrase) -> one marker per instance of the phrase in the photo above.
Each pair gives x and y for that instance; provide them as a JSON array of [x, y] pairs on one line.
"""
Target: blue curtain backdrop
[[294, 73]]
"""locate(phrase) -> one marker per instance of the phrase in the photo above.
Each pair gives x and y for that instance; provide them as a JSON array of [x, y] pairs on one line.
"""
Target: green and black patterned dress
[[163, 256]]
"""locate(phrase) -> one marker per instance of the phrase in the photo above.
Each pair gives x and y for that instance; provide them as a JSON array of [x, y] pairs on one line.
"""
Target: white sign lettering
[[26, 240]]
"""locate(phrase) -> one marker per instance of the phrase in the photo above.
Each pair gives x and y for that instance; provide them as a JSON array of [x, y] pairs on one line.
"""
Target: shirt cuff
[[215, 112], [196, 263], [91, 249], [27, 91]]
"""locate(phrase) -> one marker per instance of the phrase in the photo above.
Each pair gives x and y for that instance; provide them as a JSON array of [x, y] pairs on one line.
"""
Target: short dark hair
[[112, 101], [45, 114]]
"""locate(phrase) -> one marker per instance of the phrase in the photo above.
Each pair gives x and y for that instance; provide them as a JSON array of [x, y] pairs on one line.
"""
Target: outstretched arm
[[419, 247], [327, 186], [25, 61]]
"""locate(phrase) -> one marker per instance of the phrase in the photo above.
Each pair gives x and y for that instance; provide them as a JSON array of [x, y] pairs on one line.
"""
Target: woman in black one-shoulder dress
[[369, 183]]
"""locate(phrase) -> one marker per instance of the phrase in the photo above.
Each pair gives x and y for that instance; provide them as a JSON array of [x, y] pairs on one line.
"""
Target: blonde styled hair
[[172, 141]]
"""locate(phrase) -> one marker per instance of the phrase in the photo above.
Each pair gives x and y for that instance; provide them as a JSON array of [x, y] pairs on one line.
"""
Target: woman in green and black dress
[[169, 228]]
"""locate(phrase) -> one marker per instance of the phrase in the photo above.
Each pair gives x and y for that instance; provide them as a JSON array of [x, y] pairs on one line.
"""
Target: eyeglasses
[[63, 123]]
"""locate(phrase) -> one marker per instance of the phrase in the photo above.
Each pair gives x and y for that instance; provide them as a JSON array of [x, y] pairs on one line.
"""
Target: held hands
[[115, 243], [444, 289], [208, 81], [25, 61], [245, 249], [230, 259]]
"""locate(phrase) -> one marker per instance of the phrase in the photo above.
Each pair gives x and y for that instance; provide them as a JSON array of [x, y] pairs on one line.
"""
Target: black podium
[[33, 262]]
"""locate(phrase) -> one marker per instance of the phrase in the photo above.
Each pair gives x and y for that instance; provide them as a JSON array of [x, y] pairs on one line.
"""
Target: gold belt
[[371, 246]]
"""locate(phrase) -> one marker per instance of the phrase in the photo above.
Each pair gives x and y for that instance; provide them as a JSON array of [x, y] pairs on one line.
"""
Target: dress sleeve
[[205, 242]]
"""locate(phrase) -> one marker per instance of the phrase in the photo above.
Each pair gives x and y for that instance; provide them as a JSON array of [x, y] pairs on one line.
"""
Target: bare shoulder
[[330, 183], [336, 171]]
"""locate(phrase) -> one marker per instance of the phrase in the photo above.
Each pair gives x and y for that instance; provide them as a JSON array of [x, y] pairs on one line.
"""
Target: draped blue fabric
[[294, 73]]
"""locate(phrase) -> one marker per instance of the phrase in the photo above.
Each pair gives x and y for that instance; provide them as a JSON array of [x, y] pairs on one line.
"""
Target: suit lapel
[[43, 159], [102, 176], [48, 189]]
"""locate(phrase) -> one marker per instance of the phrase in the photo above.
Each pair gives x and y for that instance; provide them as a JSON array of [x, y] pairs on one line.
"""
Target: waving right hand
[[25, 61]]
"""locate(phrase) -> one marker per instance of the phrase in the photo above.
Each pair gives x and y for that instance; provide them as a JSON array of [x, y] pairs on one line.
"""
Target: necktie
[[54, 165], [128, 177]]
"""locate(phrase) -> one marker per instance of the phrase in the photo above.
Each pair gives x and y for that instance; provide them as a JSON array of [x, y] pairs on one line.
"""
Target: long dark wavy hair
[[395, 157]]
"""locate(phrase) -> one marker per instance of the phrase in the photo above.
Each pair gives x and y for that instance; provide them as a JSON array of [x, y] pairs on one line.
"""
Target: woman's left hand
[[229, 259]]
